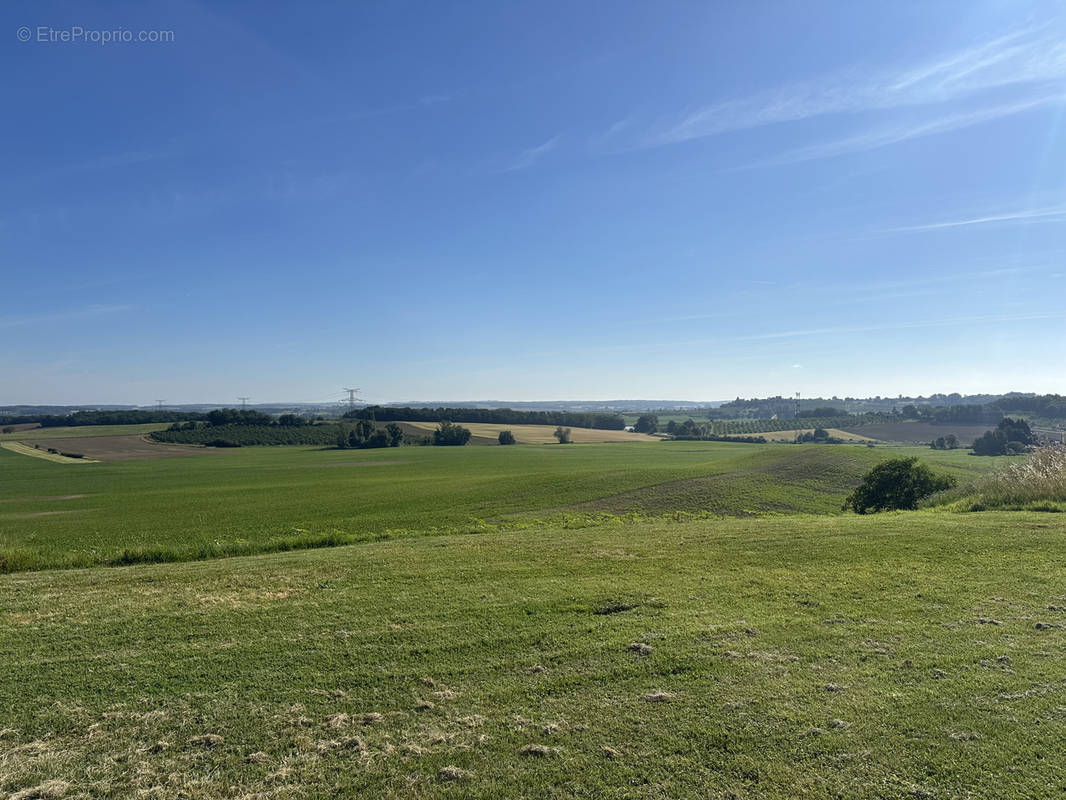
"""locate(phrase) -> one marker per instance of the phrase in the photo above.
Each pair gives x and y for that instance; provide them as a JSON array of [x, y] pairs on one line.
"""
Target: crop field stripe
[[26, 450]]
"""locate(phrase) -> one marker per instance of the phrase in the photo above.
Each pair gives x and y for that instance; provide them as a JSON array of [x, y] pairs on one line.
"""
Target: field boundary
[[26, 450]]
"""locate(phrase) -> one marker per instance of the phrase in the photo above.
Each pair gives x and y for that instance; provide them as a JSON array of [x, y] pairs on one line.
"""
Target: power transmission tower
[[159, 404], [244, 401], [351, 398]]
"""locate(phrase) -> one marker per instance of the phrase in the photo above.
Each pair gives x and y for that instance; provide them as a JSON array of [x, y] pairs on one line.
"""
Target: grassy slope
[[813, 657], [261, 499], [82, 431]]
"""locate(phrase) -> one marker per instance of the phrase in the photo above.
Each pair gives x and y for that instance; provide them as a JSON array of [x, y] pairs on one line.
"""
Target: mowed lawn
[[260, 499], [903, 655]]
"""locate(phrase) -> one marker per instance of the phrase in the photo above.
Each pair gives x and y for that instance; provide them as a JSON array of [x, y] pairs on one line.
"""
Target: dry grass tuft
[[640, 648], [1040, 478], [659, 696], [610, 752], [45, 791], [372, 718], [425, 705], [453, 773], [257, 758], [337, 721]]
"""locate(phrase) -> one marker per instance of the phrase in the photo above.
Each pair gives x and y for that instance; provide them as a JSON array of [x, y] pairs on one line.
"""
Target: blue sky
[[532, 200]]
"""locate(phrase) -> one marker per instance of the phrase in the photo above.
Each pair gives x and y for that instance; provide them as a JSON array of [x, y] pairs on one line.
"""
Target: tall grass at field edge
[[1036, 484]]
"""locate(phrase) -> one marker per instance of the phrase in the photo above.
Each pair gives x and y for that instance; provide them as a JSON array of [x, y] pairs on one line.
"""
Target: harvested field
[[790, 436], [917, 432], [19, 427], [487, 433], [120, 448]]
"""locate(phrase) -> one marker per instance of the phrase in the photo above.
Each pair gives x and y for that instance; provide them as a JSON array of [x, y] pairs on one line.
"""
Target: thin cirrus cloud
[[1045, 214], [527, 158], [1029, 57], [894, 134]]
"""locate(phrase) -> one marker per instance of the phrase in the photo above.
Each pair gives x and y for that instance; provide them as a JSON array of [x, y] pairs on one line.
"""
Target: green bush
[[506, 437], [450, 435], [563, 435], [898, 483]]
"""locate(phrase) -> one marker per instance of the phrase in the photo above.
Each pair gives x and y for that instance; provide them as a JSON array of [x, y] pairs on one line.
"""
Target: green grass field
[[897, 656], [683, 619], [265, 499]]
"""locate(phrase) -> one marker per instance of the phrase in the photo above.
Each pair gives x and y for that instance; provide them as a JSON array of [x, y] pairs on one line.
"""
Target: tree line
[[130, 417], [498, 416]]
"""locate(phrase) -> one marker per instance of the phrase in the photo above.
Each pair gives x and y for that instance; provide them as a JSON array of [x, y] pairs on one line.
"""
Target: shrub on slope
[[896, 484]]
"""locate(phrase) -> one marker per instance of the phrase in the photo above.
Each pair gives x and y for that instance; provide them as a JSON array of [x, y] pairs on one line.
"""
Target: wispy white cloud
[[1046, 214], [1032, 56], [529, 157], [894, 134], [60, 316]]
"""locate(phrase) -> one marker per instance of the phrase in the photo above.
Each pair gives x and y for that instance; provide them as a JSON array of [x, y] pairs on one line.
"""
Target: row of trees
[[963, 414], [449, 434], [497, 416], [690, 429], [1011, 436], [817, 436], [1049, 406], [949, 442], [364, 435], [249, 435], [128, 417]]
